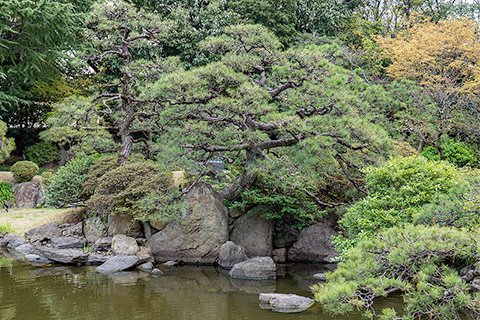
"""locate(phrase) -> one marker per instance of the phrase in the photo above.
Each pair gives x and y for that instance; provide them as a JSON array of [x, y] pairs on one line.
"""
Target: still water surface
[[187, 292]]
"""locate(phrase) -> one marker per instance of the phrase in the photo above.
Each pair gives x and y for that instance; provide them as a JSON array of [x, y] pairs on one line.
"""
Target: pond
[[182, 292]]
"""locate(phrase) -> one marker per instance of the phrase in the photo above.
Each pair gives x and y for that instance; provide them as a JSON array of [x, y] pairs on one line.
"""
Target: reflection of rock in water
[[302, 273], [127, 277], [52, 271], [254, 286]]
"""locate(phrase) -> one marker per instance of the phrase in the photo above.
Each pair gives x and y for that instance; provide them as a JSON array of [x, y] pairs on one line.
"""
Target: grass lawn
[[19, 220]]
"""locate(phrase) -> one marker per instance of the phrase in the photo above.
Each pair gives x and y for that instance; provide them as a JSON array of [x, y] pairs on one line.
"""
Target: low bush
[[397, 192], [41, 153], [101, 166], [420, 262], [24, 171], [141, 190], [66, 185]]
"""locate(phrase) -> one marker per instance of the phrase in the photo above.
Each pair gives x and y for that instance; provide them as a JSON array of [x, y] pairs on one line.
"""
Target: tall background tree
[[37, 39]]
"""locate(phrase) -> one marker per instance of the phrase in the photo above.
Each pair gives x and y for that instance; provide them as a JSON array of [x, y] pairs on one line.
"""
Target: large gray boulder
[[286, 303], [120, 224], [230, 255], [118, 263], [254, 234], [258, 268], [28, 194], [66, 256], [314, 245], [198, 233], [44, 233], [67, 243], [123, 245], [13, 241], [72, 229], [94, 229]]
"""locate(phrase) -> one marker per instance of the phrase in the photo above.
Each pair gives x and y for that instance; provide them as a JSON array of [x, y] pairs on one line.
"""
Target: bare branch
[[290, 84]]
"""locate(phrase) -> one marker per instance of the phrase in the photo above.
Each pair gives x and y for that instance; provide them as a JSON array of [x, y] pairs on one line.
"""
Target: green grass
[[19, 220], [7, 228]]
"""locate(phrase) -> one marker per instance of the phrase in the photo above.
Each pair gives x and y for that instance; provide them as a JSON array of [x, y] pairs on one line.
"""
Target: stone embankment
[[204, 233]]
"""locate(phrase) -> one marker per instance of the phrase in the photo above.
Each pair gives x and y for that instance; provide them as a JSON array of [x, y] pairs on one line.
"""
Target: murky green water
[[188, 292]]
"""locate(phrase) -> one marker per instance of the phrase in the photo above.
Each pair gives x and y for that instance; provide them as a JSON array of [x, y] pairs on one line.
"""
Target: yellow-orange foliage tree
[[443, 57], [446, 53]]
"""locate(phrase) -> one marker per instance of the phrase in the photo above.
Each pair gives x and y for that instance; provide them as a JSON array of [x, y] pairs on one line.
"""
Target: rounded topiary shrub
[[41, 153], [24, 171]]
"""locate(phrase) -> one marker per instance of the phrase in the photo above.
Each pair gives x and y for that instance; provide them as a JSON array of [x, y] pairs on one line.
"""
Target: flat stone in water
[[67, 256], [118, 263], [285, 303]]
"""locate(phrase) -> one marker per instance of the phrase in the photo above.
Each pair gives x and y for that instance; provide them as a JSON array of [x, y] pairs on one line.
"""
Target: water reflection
[[189, 292]]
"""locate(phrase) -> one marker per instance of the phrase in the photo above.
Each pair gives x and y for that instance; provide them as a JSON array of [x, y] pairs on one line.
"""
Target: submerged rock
[[286, 303], [258, 268], [118, 263]]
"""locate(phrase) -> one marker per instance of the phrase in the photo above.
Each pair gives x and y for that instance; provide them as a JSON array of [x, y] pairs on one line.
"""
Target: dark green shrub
[[66, 185], [24, 171], [141, 190], [6, 192], [41, 153], [47, 177]]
